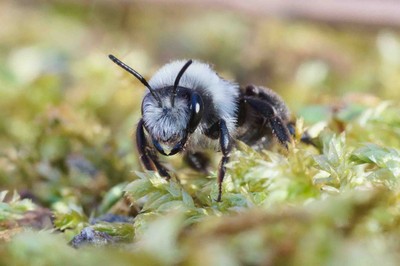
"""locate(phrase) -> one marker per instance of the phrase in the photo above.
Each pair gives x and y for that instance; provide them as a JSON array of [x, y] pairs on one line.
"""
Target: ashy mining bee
[[189, 108]]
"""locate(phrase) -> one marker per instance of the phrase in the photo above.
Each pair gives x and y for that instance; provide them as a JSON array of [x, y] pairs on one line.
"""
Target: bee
[[189, 108]]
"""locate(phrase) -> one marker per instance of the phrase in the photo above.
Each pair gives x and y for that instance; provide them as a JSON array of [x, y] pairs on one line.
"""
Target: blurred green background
[[67, 116], [67, 113]]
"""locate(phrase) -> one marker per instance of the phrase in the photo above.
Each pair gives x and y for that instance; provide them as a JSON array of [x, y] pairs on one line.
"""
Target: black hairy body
[[189, 109]]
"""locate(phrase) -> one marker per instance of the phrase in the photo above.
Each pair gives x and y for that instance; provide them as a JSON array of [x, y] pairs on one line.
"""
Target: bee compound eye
[[196, 107]]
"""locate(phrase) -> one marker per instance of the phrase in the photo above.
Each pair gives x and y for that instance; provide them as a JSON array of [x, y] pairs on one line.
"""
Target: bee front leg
[[225, 142], [147, 156]]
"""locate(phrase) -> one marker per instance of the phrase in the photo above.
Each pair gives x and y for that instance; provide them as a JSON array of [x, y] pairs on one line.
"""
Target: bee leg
[[198, 161], [278, 126], [160, 168], [225, 142], [146, 155], [143, 147]]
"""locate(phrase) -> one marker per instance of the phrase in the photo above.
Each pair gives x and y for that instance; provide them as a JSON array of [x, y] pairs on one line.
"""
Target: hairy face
[[167, 124]]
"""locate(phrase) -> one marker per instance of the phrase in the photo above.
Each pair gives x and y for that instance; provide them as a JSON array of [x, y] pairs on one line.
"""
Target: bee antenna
[[178, 78], [137, 75]]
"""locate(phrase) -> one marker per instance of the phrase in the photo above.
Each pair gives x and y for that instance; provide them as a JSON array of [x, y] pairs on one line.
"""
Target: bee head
[[169, 113], [166, 124]]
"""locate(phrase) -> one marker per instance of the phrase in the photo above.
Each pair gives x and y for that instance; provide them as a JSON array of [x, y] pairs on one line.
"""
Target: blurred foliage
[[13, 208], [67, 116]]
